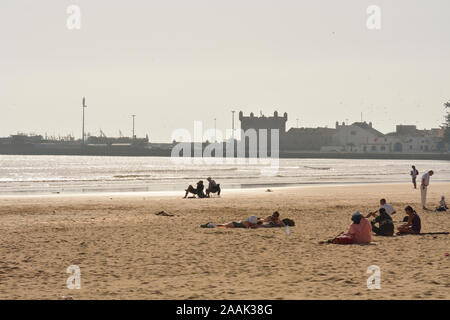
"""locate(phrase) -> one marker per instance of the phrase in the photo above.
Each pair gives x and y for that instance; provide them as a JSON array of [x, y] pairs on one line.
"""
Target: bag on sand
[[343, 239], [289, 222]]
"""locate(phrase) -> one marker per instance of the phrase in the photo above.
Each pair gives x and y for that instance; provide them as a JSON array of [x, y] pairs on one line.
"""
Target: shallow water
[[85, 174]]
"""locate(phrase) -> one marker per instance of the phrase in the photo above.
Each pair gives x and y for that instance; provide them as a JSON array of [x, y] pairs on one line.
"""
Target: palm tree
[[446, 125]]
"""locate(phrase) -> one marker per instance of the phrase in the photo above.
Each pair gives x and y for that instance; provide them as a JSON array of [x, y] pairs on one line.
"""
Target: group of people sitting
[[254, 222], [360, 230], [213, 187]]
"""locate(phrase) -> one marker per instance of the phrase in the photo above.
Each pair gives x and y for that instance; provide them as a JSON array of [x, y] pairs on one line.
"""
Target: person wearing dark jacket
[[196, 191], [414, 173], [213, 187], [385, 224], [413, 223]]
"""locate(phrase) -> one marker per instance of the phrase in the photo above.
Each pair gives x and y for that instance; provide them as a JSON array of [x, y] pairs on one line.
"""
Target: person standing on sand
[[414, 173], [424, 187]]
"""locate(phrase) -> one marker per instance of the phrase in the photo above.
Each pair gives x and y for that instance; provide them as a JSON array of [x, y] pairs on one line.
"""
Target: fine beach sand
[[125, 251]]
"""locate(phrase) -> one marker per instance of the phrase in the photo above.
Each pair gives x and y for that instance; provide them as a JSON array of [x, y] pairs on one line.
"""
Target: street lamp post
[[232, 124], [215, 130], [134, 116], [82, 133]]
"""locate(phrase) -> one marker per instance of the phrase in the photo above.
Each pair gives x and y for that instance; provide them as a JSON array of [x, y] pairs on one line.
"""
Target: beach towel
[[343, 239], [269, 225], [422, 234]]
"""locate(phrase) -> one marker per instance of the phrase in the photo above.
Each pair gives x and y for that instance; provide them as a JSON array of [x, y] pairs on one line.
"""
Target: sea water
[[91, 174]]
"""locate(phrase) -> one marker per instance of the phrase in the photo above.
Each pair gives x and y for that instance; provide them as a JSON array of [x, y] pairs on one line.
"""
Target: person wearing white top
[[424, 187], [387, 207], [414, 173]]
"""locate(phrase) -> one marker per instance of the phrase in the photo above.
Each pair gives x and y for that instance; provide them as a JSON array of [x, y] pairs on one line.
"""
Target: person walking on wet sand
[[424, 187], [414, 173]]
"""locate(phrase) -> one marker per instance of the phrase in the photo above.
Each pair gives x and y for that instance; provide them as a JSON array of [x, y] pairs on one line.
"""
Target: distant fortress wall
[[295, 138], [311, 139], [264, 123]]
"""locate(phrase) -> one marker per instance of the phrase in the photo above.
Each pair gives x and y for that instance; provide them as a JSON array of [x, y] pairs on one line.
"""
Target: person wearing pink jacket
[[360, 230]]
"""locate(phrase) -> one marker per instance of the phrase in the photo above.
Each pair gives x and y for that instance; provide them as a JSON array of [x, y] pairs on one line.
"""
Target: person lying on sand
[[196, 191], [442, 205], [413, 225], [251, 222], [273, 220], [386, 226], [360, 229]]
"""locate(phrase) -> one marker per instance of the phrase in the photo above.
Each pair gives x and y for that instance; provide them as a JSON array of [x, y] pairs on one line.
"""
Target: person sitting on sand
[[413, 225], [383, 205], [273, 220], [360, 229], [251, 222], [442, 205], [213, 187], [196, 191], [386, 226]]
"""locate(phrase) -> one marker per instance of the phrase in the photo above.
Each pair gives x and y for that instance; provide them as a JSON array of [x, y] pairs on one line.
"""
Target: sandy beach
[[125, 251]]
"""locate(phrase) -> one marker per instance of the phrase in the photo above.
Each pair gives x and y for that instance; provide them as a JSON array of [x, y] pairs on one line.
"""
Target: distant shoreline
[[138, 152]]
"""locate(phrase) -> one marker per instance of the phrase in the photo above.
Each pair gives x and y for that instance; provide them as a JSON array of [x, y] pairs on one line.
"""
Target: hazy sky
[[172, 62]]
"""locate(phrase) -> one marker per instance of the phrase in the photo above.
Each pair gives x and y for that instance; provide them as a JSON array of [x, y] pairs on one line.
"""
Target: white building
[[408, 139], [360, 137]]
